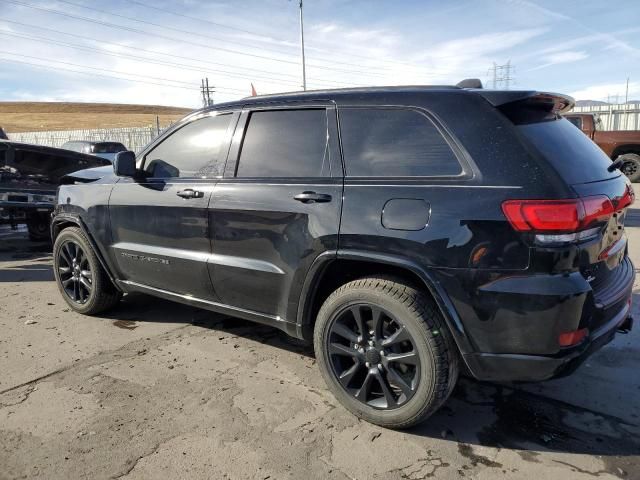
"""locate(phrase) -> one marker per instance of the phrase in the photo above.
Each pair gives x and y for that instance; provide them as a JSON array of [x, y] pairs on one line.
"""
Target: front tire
[[38, 228], [631, 166], [385, 352], [79, 275]]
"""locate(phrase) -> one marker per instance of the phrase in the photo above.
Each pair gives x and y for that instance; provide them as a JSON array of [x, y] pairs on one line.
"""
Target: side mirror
[[124, 164]]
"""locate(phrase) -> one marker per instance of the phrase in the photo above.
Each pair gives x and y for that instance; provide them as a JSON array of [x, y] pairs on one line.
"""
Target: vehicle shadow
[[39, 272], [502, 416], [632, 217], [477, 413], [138, 307]]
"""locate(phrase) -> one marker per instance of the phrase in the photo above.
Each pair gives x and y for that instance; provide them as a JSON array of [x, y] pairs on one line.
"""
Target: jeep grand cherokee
[[408, 232]]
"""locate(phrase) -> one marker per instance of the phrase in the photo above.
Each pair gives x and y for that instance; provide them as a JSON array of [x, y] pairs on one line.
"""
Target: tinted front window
[[285, 143], [394, 143], [571, 152], [194, 150]]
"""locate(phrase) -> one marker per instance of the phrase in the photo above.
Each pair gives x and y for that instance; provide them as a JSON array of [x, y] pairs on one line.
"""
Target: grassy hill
[[40, 116]]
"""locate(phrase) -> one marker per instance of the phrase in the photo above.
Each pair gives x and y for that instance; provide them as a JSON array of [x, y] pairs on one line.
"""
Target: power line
[[102, 42], [173, 39], [58, 69], [95, 68], [188, 85], [231, 27], [146, 60]]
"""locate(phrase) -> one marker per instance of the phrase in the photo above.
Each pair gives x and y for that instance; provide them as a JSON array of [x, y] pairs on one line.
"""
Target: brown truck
[[617, 144]]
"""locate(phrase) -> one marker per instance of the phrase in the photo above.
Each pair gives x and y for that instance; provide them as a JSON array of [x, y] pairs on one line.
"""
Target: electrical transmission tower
[[207, 92], [502, 75]]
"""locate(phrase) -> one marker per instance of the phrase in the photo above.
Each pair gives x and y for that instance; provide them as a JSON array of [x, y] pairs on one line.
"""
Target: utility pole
[[207, 92], [626, 95], [502, 75], [507, 76], [495, 75], [304, 68]]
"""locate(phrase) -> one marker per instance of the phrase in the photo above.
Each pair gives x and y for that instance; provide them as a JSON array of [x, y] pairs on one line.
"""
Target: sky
[[157, 51]]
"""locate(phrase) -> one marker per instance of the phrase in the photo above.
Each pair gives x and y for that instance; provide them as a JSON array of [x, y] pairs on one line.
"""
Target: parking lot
[[160, 390]]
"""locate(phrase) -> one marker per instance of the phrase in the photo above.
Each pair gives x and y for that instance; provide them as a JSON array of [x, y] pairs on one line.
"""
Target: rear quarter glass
[[571, 153]]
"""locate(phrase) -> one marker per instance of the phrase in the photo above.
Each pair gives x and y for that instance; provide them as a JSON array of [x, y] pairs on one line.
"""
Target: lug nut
[[382, 353], [379, 366], [367, 364]]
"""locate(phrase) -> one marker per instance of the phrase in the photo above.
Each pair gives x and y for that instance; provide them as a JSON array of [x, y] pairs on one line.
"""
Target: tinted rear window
[[576, 158], [108, 147], [393, 142], [285, 143]]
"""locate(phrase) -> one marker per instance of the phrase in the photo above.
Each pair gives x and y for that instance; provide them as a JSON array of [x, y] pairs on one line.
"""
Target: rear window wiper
[[616, 164]]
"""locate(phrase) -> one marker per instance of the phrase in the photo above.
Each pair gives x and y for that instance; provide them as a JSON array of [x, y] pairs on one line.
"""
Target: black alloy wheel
[[373, 356], [75, 272]]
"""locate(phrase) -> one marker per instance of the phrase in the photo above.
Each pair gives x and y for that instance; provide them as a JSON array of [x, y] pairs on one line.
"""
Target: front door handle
[[190, 193], [312, 197]]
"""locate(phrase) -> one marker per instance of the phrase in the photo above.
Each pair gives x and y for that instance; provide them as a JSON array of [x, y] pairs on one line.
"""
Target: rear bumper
[[535, 368]]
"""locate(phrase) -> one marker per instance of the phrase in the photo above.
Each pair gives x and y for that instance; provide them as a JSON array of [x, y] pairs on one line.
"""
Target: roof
[[335, 93], [494, 97]]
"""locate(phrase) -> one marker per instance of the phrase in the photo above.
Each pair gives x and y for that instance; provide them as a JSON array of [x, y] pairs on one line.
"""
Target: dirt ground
[[160, 390], [44, 116]]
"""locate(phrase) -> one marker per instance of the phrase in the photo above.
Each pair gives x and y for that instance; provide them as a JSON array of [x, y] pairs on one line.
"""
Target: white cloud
[[608, 91], [557, 58]]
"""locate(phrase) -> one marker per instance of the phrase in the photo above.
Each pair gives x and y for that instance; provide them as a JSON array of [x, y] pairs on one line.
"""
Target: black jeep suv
[[410, 232]]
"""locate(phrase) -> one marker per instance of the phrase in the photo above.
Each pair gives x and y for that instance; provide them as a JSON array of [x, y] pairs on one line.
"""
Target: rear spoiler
[[528, 106], [554, 102]]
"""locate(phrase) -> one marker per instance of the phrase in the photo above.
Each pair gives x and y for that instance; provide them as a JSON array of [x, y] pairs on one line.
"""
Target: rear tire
[[79, 275], [377, 376], [631, 166]]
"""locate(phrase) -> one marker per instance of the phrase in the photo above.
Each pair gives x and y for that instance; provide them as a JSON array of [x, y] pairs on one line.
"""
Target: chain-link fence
[[134, 138]]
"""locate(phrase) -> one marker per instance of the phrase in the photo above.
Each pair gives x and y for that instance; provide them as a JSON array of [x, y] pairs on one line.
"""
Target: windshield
[[571, 152]]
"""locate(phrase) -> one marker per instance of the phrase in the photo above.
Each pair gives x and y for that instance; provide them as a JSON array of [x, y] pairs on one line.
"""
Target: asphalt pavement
[[160, 390]]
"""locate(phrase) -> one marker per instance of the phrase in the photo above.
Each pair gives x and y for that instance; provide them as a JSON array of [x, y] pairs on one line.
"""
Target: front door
[[159, 222], [277, 208]]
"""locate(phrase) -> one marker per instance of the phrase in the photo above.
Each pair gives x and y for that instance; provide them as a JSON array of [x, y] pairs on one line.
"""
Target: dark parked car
[[105, 150], [29, 177], [410, 233], [3, 136]]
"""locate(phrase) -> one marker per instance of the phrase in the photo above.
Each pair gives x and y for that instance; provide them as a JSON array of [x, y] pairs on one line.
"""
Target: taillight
[[568, 339], [559, 221], [627, 199]]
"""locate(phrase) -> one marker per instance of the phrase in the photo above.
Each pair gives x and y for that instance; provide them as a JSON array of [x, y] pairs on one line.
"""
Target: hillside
[[40, 116]]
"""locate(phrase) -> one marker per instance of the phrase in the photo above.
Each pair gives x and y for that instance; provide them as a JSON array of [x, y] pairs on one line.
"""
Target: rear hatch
[[593, 222]]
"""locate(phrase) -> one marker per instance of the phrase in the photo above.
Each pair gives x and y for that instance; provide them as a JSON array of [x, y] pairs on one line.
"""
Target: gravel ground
[[160, 390]]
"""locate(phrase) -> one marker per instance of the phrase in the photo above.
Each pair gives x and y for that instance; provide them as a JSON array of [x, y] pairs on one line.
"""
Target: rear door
[[277, 208], [159, 224]]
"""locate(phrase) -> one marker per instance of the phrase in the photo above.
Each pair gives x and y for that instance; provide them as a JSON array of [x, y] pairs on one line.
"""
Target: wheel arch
[[622, 149], [60, 222], [328, 272]]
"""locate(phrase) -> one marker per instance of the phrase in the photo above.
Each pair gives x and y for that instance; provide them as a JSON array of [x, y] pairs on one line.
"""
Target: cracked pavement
[[161, 390]]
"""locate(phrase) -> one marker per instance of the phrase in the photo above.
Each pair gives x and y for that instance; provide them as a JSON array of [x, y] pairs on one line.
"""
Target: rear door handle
[[313, 197], [190, 193]]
